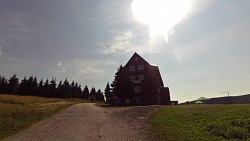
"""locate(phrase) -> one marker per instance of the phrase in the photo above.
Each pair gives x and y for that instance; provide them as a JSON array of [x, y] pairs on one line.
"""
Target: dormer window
[[140, 67], [131, 68]]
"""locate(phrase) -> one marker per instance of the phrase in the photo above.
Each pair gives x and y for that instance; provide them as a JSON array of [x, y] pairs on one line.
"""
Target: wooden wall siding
[[152, 89]]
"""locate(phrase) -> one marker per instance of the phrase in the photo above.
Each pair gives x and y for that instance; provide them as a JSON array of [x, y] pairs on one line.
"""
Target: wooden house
[[144, 83]]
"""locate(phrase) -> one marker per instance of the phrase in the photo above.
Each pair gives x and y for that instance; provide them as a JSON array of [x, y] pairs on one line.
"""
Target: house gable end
[[142, 83], [139, 59]]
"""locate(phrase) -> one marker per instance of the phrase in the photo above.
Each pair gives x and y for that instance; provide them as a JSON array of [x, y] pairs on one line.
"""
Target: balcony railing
[[136, 81]]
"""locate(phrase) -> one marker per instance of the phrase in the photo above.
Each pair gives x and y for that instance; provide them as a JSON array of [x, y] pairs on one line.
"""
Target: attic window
[[140, 67], [135, 58]]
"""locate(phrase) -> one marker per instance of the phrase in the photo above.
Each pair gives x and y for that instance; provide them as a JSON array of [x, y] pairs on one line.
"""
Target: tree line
[[49, 88]]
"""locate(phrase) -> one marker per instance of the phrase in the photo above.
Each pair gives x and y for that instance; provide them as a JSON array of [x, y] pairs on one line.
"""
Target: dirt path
[[89, 122]]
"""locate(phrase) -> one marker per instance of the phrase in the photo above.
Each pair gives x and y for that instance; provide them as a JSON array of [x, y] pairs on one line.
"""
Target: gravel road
[[88, 122]]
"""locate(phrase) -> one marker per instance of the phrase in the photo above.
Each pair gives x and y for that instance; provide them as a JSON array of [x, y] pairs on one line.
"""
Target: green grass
[[20, 112], [202, 122]]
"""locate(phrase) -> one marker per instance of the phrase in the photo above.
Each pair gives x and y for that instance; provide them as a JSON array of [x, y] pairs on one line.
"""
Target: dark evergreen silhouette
[[108, 95], [3, 85], [13, 85], [85, 93], [73, 89], [23, 87], [40, 89], [59, 93], [119, 87], [52, 88], [78, 91], [99, 95], [66, 89], [31, 86], [92, 95], [46, 88]]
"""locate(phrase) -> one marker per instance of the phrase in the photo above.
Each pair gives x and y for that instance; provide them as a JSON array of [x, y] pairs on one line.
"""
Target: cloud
[[19, 21], [137, 39], [11, 64], [59, 64], [92, 67], [17, 25], [61, 67], [217, 45], [197, 6], [107, 15], [120, 43], [129, 41], [86, 67]]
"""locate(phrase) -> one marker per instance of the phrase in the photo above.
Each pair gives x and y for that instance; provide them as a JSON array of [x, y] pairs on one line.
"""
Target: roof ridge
[[136, 54]]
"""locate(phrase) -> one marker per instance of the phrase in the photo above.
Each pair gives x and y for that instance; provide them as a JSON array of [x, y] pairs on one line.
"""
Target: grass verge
[[20, 112], [202, 122]]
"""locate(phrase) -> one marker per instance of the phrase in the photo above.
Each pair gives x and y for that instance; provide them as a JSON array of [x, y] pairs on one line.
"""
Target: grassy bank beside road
[[19, 112], [202, 122]]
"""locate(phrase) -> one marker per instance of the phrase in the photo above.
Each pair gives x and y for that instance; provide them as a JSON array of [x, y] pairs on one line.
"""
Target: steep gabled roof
[[136, 55], [154, 68], [157, 71]]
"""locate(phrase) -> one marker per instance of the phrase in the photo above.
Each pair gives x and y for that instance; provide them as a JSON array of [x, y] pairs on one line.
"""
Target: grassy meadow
[[202, 122], [19, 112]]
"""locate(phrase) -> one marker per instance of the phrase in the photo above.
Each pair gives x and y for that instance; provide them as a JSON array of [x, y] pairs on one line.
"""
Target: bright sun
[[160, 15]]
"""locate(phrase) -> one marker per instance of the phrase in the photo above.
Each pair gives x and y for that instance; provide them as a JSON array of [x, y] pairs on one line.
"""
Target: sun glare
[[160, 15]]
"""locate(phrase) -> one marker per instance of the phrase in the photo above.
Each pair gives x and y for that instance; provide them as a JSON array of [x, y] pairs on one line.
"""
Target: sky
[[201, 47]]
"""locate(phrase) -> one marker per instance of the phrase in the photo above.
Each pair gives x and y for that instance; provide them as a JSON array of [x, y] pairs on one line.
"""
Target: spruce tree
[[46, 88], [79, 91], [73, 89], [23, 90], [13, 85], [85, 93], [34, 87], [107, 93], [66, 89], [92, 94], [119, 86], [3, 85], [40, 90], [99, 95], [52, 88], [60, 90]]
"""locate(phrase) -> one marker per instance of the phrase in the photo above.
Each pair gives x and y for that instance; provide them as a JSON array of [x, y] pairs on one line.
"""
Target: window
[[137, 89], [136, 59], [132, 78], [140, 67], [131, 68], [141, 77]]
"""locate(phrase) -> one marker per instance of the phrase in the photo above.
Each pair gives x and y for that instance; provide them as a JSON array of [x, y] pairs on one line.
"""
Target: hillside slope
[[242, 99]]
